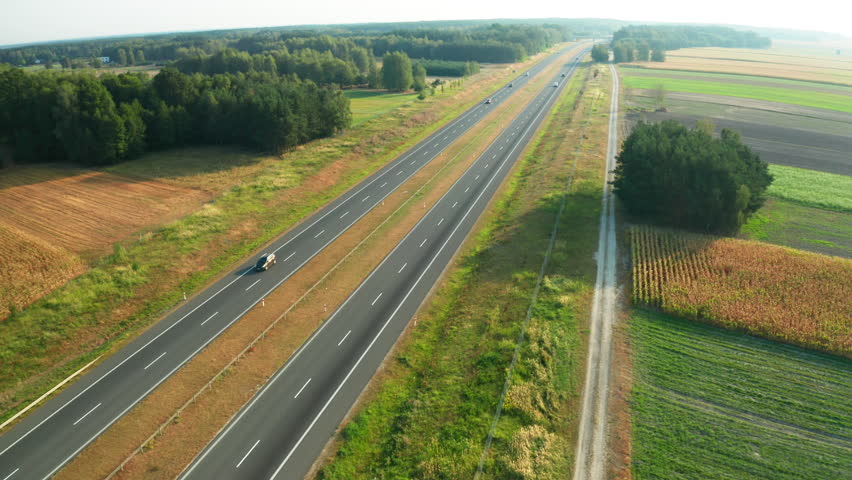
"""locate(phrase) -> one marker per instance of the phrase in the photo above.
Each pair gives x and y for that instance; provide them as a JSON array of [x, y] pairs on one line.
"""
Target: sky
[[24, 21]]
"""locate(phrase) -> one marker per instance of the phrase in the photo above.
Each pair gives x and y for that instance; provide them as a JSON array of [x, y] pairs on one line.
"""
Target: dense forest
[[669, 174], [81, 118], [650, 42], [264, 89]]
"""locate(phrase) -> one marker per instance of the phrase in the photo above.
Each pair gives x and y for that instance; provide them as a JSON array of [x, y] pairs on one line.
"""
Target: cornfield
[[774, 292]]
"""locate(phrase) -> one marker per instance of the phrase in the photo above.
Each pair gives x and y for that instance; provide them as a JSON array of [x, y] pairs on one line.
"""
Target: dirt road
[[590, 463]]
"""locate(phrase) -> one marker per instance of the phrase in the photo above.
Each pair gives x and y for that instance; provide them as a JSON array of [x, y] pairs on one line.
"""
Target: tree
[[658, 55], [669, 174], [419, 77], [600, 53], [122, 56], [396, 71], [643, 51]]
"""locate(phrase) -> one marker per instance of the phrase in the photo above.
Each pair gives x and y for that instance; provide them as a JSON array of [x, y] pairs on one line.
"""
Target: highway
[[283, 429], [57, 431]]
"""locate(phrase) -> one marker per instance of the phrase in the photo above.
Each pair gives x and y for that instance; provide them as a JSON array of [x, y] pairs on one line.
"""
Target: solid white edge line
[[208, 318], [253, 284], [377, 299], [303, 387], [13, 472], [344, 338], [387, 322], [86, 415], [155, 361], [304, 346], [248, 453]]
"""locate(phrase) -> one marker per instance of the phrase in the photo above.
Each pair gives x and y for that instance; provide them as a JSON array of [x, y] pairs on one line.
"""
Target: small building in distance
[[103, 59]]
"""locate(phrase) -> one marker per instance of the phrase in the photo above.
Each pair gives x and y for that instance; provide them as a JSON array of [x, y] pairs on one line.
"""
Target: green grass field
[[705, 76], [710, 403], [811, 188], [828, 101], [369, 104], [806, 228]]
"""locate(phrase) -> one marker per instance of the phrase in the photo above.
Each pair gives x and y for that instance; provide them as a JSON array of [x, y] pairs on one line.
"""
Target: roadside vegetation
[[711, 403], [430, 414], [817, 99], [368, 104], [781, 294], [148, 274]]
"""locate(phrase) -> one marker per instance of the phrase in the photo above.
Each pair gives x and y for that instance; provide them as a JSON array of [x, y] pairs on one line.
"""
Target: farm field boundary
[[786, 295], [828, 101], [711, 403]]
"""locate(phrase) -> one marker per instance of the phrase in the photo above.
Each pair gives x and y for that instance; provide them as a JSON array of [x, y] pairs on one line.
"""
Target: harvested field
[[31, 267], [85, 211], [781, 294], [711, 404], [773, 62], [782, 134]]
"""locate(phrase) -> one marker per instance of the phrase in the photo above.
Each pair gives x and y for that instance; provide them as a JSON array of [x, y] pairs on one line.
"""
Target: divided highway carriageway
[[58, 430], [283, 429]]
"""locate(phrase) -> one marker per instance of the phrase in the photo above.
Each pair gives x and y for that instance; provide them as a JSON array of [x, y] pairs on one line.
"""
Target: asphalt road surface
[[283, 429], [57, 431]]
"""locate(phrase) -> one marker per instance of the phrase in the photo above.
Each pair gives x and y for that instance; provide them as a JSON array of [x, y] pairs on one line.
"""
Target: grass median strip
[[428, 412], [328, 279]]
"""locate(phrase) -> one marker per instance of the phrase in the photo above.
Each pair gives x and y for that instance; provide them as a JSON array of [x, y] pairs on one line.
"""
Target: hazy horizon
[[26, 23]]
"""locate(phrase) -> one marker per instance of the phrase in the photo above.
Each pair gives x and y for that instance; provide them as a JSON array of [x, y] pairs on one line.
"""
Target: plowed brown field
[[50, 215], [83, 210]]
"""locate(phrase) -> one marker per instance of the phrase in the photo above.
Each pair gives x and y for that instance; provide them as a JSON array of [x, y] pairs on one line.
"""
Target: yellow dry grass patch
[[30, 267], [772, 62]]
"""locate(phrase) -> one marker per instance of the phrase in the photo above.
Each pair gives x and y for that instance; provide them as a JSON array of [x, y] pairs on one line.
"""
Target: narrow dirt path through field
[[590, 463]]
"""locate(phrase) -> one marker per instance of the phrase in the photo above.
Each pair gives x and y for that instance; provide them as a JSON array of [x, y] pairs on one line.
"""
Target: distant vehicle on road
[[488, 101], [555, 84], [266, 260], [563, 75], [511, 84], [527, 74]]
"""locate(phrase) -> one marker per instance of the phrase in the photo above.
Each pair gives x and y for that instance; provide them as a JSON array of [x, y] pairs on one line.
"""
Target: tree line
[[669, 174], [496, 43], [641, 43], [448, 68], [89, 120]]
